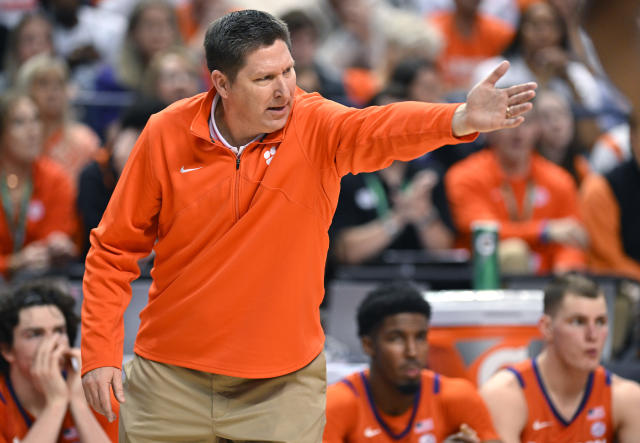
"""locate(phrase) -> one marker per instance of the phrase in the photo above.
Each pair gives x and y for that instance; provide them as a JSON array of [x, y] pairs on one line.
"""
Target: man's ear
[[367, 345], [221, 83], [6, 352], [545, 326]]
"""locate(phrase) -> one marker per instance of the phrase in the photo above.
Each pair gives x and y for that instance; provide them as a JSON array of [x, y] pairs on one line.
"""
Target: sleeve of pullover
[[131, 218], [365, 140]]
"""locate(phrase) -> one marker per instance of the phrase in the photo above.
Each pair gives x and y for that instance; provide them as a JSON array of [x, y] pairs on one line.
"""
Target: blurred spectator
[[195, 15], [419, 80], [611, 211], [398, 207], [615, 30], [38, 216], [611, 148], [356, 37], [172, 75], [32, 35], [541, 53], [152, 28], [367, 39], [11, 11], [558, 142], [469, 38], [66, 141], [311, 75], [99, 178], [505, 10], [40, 387], [534, 201], [85, 36], [407, 37]]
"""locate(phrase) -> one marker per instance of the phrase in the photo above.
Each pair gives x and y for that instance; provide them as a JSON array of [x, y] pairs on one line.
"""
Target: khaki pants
[[166, 403]]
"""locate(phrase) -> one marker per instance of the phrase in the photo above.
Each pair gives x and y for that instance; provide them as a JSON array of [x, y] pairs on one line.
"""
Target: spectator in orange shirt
[[397, 399], [37, 214], [469, 38], [564, 394], [535, 202], [32, 35], [41, 397], [611, 211]]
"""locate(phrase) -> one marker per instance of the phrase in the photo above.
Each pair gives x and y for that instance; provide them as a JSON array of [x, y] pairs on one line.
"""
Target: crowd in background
[[80, 78]]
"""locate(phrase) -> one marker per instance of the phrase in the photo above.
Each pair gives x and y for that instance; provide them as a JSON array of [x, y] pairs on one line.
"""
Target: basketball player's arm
[[466, 411], [341, 413], [626, 409], [507, 405]]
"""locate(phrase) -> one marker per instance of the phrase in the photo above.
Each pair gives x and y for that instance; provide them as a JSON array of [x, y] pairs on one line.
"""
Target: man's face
[[515, 145], [578, 331], [22, 138], [398, 350], [34, 325], [261, 96]]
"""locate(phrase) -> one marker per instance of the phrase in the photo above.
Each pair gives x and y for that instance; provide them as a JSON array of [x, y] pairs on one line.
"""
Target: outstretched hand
[[489, 108]]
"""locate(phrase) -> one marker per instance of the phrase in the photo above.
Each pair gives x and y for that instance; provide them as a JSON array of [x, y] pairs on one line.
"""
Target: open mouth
[[277, 108]]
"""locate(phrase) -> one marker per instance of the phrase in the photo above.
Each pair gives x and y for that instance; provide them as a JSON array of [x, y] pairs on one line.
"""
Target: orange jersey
[[592, 422], [51, 208], [476, 191], [242, 242], [441, 406], [15, 421], [461, 53]]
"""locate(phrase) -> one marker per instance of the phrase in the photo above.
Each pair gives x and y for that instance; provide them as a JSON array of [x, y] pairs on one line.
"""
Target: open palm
[[489, 108]]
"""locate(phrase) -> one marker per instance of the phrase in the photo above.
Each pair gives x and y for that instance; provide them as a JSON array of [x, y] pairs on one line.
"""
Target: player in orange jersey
[[564, 394], [41, 397], [397, 399]]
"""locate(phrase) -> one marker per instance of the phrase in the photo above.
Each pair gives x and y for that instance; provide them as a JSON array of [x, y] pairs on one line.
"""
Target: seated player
[[397, 399], [41, 396], [563, 394]]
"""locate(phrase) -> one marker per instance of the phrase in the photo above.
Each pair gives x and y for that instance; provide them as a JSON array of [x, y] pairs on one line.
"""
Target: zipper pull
[[237, 162]]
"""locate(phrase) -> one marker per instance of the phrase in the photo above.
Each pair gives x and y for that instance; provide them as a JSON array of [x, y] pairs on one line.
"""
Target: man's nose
[[411, 348], [280, 86]]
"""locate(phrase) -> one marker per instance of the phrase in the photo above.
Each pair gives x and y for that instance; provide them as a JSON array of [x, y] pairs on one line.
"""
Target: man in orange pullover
[[234, 190], [534, 200]]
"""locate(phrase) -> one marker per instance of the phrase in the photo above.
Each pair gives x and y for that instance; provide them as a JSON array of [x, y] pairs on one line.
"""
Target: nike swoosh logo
[[368, 432], [537, 425], [183, 170]]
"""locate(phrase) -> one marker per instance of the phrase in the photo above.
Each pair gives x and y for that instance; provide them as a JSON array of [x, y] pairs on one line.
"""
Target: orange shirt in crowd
[[442, 405], [601, 215], [15, 421], [476, 188], [240, 243], [461, 53], [592, 421], [50, 209]]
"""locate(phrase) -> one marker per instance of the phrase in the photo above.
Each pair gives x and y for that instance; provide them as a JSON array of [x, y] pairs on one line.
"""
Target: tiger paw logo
[[269, 154]]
